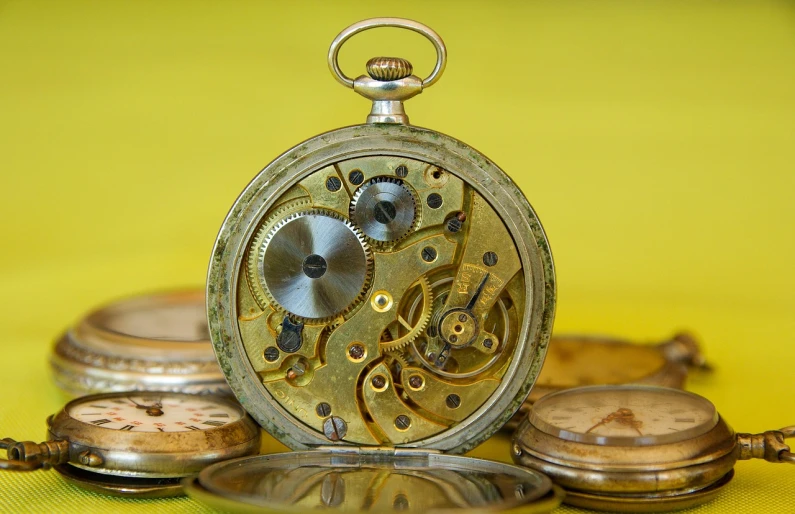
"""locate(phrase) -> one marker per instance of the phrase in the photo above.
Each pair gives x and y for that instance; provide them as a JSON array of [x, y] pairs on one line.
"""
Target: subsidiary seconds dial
[[154, 412]]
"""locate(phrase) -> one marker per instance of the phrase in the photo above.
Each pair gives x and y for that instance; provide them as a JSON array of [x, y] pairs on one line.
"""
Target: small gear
[[422, 320], [314, 265], [399, 357], [254, 283], [385, 209]]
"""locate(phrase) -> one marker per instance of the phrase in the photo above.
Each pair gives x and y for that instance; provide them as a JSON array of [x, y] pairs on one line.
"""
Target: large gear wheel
[[314, 265], [385, 210], [419, 325], [252, 275]]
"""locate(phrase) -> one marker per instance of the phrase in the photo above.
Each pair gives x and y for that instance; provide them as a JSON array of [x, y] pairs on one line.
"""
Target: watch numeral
[[214, 423], [100, 421], [127, 427], [100, 406], [219, 415], [160, 429], [120, 402], [192, 427], [685, 420]]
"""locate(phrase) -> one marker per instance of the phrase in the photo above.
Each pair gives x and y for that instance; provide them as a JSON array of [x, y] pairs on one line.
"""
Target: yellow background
[[656, 141]]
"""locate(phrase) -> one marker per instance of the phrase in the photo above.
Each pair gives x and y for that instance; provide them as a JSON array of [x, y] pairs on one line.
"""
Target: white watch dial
[[624, 415], [155, 412]]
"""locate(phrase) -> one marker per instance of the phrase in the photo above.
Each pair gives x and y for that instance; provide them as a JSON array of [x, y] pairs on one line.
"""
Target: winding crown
[[388, 68]]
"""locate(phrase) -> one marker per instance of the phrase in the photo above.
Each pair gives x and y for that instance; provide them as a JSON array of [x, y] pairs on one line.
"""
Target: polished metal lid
[[351, 480]]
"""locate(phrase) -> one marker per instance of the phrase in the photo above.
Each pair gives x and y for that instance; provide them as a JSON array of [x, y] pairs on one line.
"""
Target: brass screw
[[335, 428], [401, 171], [379, 381], [429, 254], [462, 317], [489, 258], [454, 225], [488, 343], [323, 409], [402, 422], [415, 381], [333, 184], [356, 177], [453, 339], [356, 351], [434, 200], [453, 401], [271, 353]]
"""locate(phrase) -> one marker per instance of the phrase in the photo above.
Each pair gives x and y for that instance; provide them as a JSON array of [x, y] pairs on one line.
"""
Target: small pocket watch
[[381, 289], [155, 342], [580, 360], [633, 447], [137, 443]]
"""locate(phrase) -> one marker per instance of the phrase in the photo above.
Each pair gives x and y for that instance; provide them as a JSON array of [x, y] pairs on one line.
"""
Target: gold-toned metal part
[[630, 471]]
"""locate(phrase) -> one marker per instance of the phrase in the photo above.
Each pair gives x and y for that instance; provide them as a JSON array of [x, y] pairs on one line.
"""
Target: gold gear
[[422, 322], [254, 285], [399, 357]]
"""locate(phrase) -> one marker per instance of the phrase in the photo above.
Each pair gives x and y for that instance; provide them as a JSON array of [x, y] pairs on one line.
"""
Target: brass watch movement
[[379, 294]]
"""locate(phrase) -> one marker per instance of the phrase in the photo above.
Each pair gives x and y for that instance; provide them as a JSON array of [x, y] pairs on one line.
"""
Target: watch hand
[[474, 299]]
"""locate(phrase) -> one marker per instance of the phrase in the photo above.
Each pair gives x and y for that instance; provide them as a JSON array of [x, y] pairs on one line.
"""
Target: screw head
[[401, 171], [271, 353], [299, 368], [488, 343], [356, 177], [429, 254], [453, 338], [356, 351], [333, 184], [462, 317], [453, 401], [335, 428], [400, 502], [323, 409], [402, 422], [489, 258], [379, 381], [416, 381], [454, 225], [434, 200]]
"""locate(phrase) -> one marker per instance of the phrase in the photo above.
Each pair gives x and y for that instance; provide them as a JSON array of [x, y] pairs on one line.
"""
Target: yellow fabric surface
[[655, 139]]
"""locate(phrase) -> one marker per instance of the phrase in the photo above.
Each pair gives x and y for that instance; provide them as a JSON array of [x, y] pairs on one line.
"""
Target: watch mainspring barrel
[[381, 284]]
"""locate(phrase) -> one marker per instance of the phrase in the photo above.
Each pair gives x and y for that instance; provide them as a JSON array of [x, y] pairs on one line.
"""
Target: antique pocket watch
[[155, 342], [638, 448], [381, 289], [580, 360], [137, 443]]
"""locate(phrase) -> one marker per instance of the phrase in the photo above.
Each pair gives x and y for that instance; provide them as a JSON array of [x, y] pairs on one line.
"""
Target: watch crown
[[388, 68]]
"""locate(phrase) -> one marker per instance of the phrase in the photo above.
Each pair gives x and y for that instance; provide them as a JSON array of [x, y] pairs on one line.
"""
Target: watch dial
[[624, 415], [155, 412]]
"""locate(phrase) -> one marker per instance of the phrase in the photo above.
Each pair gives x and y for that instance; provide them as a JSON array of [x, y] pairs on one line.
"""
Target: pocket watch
[[380, 288], [137, 443], [156, 342], [635, 447], [579, 360]]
